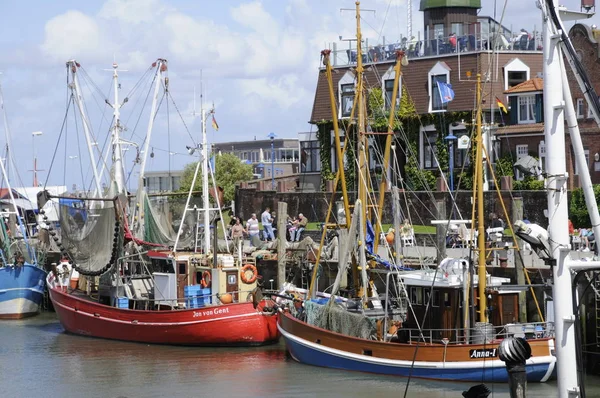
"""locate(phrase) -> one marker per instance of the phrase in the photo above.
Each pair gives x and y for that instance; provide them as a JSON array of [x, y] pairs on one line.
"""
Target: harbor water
[[38, 359]]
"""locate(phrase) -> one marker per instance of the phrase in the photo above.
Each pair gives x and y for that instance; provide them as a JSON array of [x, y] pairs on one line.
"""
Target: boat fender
[[248, 280], [206, 279]]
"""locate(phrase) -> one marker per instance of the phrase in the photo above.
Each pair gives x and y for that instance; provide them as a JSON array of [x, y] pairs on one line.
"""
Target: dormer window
[[526, 110], [346, 88], [347, 99], [515, 72], [439, 73]]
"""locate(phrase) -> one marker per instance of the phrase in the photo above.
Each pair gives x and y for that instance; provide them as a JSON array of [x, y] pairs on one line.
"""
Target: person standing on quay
[[267, 223], [252, 227]]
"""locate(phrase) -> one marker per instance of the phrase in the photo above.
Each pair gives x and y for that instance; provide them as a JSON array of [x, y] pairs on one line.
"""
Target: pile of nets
[[336, 318]]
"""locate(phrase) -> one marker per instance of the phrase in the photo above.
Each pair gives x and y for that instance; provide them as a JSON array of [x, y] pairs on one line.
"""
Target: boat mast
[[360, 126], [161, 66], [9, 159], [481, 270], [119, 175], [205, 195], [556, 182], [72, 66]]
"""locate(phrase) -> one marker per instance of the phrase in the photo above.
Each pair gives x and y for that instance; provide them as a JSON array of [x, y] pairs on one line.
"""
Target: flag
[[446, 92], [214, 123], [501, 105]]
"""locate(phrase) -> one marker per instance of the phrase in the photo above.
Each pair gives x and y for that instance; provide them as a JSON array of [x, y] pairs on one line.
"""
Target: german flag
[[501, 105]]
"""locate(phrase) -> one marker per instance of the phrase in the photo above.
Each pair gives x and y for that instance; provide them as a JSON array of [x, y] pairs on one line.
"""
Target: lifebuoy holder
[[206, 279], [248, 280]]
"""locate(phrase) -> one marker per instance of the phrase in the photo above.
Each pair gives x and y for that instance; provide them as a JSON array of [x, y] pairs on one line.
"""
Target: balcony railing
[[441, 45]]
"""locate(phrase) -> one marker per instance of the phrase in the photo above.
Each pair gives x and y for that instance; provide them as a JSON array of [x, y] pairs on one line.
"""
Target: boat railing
[[486, 333], [193, 301]]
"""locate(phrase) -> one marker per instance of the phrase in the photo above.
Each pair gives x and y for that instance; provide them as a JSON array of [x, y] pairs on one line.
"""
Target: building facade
[[162, 181]]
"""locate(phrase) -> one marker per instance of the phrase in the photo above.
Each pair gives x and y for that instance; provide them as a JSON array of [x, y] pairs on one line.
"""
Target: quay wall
[[421, 205]]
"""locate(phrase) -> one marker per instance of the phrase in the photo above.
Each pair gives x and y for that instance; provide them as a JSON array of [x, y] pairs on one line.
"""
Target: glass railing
[[442, 45]]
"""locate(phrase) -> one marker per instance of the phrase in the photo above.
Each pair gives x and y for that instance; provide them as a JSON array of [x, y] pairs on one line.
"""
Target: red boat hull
[[237, 324]]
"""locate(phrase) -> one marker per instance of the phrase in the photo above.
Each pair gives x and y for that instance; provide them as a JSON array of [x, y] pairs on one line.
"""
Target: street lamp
[[33, 135], [451, 138], [272, 137]]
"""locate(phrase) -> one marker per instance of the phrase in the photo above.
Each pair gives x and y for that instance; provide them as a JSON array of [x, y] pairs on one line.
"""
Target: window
[[522, 150], [542, 153], [347, 99], [346, 94], [310, 157], [439, 73], [579, 108], [387, 86], [516, 77], [430, 150], [436, 298], [457, 29], [515, 72], [436, 100], [526, 109], [334, 158], [590, 115], [416, 295], [389, 89]]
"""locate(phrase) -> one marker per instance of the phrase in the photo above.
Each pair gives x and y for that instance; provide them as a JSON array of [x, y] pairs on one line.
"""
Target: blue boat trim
[[303, 351]]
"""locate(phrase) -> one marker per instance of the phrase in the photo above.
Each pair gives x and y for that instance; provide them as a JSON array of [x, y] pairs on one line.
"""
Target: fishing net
[[163, 216], [336, 318], [89, 234]]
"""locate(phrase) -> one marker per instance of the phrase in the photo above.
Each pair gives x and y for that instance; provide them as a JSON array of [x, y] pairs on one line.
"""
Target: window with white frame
[[542, 154], [579, 108], [387, 87], [430, 150], [587, 160], [346, 94], [590, 114], [526, 109], [334, 158], [522, 151], [439, 73], [515, 72]]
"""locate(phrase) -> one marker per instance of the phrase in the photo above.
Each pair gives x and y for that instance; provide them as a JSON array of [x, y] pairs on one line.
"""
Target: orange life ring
[[252, 279], [206, 279]]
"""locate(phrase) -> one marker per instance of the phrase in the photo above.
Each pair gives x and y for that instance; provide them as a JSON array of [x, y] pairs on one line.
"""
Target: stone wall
[[421, 204]]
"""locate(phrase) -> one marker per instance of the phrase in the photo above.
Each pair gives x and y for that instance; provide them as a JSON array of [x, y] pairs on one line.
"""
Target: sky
[[255, 60]]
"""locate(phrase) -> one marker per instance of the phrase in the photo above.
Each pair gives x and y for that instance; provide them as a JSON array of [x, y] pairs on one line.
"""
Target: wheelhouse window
[[347, 99], [526, 109]]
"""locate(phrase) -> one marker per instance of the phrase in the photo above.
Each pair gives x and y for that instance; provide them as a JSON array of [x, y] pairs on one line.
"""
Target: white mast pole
[[554, 130], [119, 176], [158, 76], [205, 197], [73, 65], [9, 157]]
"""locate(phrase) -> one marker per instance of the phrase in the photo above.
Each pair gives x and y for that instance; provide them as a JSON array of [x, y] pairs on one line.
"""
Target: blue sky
[[258, 61]]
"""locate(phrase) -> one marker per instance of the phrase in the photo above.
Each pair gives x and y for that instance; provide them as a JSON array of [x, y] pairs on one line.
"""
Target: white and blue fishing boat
[[22, 281]]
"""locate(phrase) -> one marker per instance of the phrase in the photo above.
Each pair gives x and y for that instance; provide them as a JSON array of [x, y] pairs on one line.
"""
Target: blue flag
[[446, 92]]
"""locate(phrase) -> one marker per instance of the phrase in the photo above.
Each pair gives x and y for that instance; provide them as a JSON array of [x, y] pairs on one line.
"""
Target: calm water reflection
[[39, 360]]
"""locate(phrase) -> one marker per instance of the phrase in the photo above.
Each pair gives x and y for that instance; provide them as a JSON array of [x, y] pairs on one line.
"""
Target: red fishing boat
[[176, 293]]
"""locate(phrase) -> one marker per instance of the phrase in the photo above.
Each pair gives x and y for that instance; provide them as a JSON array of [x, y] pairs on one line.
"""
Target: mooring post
[[514, 351]]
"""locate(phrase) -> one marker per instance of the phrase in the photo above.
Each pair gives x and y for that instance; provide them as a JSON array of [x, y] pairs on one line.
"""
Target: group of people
[[585, 235], [252, 228]]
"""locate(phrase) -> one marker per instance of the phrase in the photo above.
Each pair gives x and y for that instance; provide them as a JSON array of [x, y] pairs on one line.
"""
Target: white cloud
[[70, 35], [132, 11]]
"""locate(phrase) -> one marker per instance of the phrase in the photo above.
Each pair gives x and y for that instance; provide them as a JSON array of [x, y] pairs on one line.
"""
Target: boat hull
[[21, 291], [237, 324], [315, 346]]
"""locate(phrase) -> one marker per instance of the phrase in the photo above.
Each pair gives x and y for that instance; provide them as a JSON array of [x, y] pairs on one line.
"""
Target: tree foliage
[[578, 212], [229, 170]]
